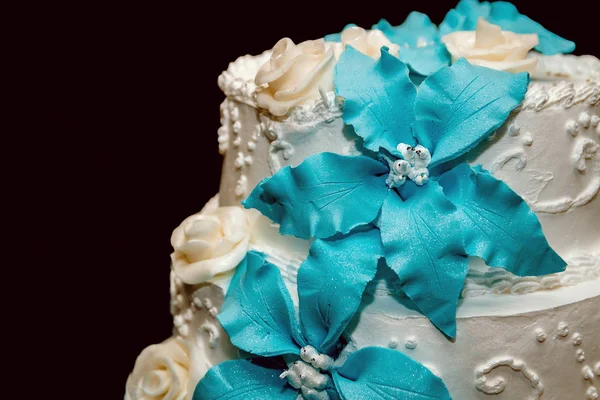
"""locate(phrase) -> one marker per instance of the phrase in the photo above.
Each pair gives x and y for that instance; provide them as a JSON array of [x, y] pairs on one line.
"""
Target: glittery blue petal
[[325, 195], [378, 98], [243, 380], [378, 373], [416, 28], [331, 283], [426, 60], [459, 106], [498, 225], [464, 18], [423, 244], [415, 31], [258, 313]]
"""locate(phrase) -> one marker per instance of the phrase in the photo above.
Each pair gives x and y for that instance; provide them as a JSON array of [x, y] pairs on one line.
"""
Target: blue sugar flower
[[429, 222], [464, 18], [419, 40], [420, 43], [259, 316]]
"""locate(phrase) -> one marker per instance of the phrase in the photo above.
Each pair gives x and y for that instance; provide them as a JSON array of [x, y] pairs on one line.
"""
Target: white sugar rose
[[368, 42], [211, 242], [490, 47], [295, 74], [161, 372]]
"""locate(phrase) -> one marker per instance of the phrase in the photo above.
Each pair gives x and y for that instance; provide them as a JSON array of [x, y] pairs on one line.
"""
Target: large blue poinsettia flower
[[259, 316], [429, 223], [464, 18]]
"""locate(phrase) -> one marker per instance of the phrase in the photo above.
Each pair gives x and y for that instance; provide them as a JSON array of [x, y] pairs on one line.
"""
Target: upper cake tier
[[547, 151]]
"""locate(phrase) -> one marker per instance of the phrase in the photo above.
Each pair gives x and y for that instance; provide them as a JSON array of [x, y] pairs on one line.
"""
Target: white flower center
[[305, 374], [413, 166]]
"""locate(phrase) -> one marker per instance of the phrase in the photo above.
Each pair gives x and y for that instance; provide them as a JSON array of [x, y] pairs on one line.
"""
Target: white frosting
[[237, 82], [161, 372], [561, 95], [504, 357], [567, 66], [489, 46], [295, 74], [211, 242]]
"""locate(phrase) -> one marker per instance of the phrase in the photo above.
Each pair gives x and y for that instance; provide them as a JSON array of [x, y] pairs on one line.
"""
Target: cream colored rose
[[211, 242], [161, 372], [295, 74], [491, 47], [368, 42]]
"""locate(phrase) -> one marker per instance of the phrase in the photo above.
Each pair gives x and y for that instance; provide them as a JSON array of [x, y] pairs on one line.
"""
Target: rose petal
[[206, 270], [207, 227], [197, 250]]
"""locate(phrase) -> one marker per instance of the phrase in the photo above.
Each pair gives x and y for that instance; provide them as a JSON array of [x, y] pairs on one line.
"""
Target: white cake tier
[[548, 151], [536, 342]]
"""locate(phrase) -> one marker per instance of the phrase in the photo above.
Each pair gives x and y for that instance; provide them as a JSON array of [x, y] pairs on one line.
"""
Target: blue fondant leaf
[[498, 225], [506, 15], [426, 60], [337, 37], [423, 244], [416, 29], [378, 373], [258, 313], [243, 380], [326, 194], [464, 18], [459, 106], [331, 283], [378, 98]]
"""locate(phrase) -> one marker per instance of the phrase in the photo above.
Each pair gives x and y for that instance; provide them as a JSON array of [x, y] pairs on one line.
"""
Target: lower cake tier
[[549, 350], [547, 353]]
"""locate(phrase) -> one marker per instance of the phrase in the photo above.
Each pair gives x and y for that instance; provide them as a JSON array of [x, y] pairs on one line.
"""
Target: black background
[[130, 110]]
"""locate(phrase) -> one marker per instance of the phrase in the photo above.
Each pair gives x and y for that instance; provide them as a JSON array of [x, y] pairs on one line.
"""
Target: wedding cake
[[406, 212]]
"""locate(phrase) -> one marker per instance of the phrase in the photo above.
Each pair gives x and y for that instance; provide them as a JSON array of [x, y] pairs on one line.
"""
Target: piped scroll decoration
[[498, 385]]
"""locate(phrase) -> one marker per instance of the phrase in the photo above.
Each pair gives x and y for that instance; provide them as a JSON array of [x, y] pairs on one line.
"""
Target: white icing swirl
[[211, 242], [582, 267], [161, 372], [295, 74], [564, 94], [489, 46]]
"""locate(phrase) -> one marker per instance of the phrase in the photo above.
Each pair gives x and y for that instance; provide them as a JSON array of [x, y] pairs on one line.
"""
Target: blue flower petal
[[426, 60], [325, 195], [459, 106], [415, 29], [423, 244], [331, 283], [242, 380], [464, 18], [378, 98], [378, 373], [258, 313], [506, 15], [498, 225]]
